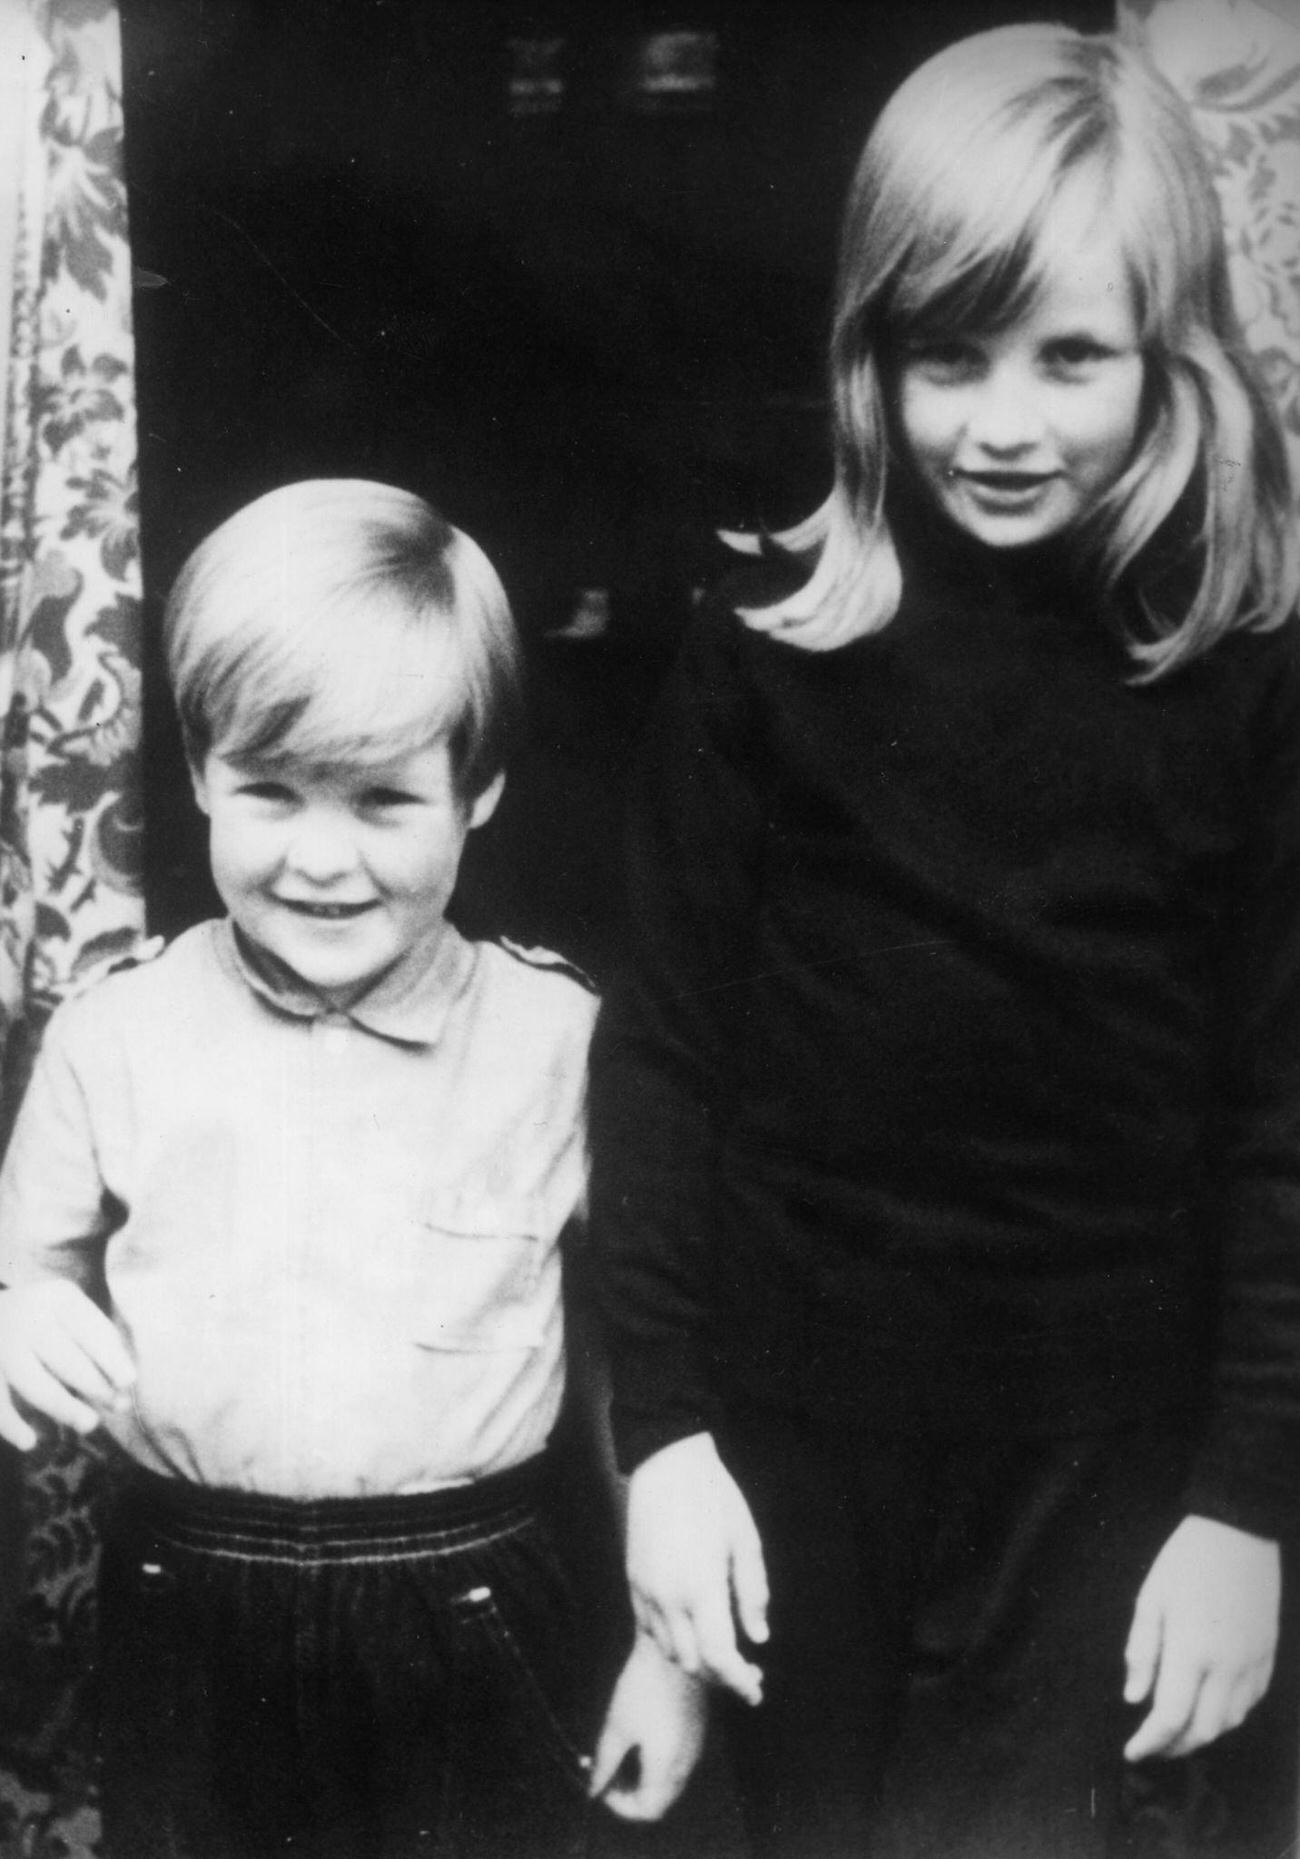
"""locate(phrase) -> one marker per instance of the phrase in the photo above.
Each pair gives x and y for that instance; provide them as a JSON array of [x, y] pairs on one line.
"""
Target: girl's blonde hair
[[336, 620], [949, 227]]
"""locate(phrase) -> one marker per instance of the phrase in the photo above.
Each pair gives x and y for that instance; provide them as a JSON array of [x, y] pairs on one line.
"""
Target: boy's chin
[[338, 981]]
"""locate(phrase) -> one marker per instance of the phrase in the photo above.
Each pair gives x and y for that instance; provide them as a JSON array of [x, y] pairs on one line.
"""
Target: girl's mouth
[[1007, 483]]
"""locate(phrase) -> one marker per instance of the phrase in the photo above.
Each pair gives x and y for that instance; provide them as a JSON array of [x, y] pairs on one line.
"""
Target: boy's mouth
[[329, 913]]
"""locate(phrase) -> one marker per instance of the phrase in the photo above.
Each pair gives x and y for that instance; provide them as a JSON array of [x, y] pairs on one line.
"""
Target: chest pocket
[[486, 1278]]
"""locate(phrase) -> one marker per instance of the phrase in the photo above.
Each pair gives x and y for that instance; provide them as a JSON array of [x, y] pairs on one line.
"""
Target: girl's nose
[[1005, 417], [321, 846]]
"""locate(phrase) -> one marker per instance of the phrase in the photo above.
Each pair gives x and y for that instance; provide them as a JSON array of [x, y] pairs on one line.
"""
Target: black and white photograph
[[649, 929]]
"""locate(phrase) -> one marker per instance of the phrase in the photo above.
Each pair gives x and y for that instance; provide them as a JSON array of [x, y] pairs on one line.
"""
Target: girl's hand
[[657, 1716], [695, 1564], [62, 1356], [1204, 1636]]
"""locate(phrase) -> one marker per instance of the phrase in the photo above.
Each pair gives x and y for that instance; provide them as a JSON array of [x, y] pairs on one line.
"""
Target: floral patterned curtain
[[1238, 64], [70, 609]]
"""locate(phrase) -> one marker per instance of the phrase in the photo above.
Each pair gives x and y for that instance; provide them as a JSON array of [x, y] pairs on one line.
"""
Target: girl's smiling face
[[1018, 433]]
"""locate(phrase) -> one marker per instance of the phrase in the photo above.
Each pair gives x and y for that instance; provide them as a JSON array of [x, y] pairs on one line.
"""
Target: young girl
[[947, 1122]]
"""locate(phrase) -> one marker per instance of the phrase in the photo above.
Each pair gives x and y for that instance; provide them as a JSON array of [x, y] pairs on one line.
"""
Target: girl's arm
[[1247, 1472], [662, 1074], [1204, 1637], [1205, 1627], [664, 1048]]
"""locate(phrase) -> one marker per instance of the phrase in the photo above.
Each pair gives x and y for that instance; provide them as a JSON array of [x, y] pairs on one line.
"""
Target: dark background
[[591, 335]]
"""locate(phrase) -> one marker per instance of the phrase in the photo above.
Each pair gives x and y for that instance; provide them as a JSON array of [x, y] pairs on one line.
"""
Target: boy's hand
[[658, 1716], [1204, 1636], [695, 1564], [62, 1356]]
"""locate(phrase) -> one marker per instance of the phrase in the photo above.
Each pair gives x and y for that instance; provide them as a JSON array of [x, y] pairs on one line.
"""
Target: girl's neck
[[927, 538]]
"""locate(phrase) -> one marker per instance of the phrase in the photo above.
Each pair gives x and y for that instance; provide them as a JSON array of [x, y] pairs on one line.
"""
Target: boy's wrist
[[646, 1649]]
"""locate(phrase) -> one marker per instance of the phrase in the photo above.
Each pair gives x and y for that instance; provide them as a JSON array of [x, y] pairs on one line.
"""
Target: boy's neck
[[404, 1003]]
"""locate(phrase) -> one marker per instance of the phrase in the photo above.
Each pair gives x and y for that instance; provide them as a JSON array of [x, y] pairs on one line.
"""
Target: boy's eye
[[387, 799], [273, 791]]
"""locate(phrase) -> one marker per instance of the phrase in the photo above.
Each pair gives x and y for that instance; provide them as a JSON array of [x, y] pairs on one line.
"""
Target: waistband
[[251, 1526]]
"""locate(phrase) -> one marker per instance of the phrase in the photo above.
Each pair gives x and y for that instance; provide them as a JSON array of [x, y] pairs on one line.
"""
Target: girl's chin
[[1006, 528]]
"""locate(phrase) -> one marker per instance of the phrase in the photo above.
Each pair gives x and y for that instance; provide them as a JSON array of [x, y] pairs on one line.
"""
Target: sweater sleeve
[[1248, 1471], [664, 1041]]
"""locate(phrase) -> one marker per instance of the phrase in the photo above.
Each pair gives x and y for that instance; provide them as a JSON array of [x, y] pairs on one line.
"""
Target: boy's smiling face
[[342, 873]]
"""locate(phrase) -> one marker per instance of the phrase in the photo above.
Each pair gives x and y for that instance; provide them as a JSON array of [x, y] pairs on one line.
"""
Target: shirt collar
[[411, 1010]]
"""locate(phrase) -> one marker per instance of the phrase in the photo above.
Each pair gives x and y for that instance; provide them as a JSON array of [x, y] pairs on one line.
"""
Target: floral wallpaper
[[70, 901]]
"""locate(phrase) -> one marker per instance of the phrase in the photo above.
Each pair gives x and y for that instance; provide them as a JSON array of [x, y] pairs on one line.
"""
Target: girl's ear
[[199, 785], [484, 805]]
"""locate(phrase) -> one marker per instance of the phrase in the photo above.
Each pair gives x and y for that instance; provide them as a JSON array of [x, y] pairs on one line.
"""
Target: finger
[[68, 1362], [39, 1389], [611, 1752], [749, 1585], [649, 1620], [720, 1657], [1141, 1654], [98, 1338], [670, 1630], [1209, 1719], [1244, 1696], [739, 1675], [647, 1788], [683, 1646], [644, 1796], [13, 1427], [1172, 1709]]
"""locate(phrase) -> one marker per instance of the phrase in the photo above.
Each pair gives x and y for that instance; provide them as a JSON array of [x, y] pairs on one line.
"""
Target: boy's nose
[[320, 846]]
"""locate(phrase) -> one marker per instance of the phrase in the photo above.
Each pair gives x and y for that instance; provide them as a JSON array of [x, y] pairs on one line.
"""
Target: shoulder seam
[[546, 960]]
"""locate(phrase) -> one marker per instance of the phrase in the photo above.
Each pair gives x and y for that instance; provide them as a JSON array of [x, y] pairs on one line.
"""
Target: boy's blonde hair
[[337, 620], [948, 230]]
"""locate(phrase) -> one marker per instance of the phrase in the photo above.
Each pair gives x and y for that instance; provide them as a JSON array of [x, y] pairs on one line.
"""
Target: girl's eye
[[1075, 352], [944, 359]]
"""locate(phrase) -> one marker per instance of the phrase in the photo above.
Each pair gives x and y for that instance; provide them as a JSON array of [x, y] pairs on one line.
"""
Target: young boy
[[283, 1211]]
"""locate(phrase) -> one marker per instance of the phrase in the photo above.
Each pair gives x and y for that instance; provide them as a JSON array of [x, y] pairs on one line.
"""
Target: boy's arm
[[652, 1735], [60, 1355]]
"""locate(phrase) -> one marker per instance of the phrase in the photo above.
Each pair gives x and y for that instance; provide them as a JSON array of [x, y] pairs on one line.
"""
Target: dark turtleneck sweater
[[954, 1081]]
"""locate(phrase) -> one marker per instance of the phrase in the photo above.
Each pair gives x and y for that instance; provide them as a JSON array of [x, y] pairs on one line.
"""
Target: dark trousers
[[343, 1679], [945, 1673]]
